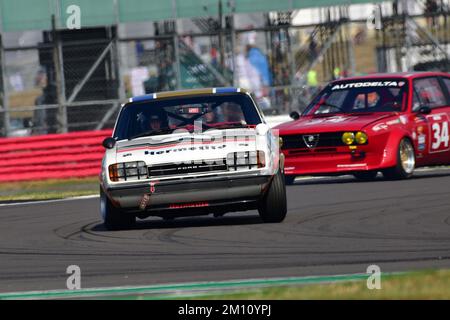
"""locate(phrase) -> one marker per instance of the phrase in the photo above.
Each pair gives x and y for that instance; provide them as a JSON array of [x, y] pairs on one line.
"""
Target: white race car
[[192, 152]]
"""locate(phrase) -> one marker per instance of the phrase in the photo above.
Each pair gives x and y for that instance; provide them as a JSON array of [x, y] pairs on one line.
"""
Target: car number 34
[[440, 137]]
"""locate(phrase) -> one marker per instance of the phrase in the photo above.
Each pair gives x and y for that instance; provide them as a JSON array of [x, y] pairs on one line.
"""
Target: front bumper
[[182, 192], [339, 161]]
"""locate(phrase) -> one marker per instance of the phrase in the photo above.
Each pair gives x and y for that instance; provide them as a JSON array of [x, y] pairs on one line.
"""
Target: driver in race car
[[233, 113], [155, 122], [371, 98], [210, 117]]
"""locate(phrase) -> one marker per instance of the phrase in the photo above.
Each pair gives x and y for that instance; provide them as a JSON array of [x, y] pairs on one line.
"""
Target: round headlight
[[348, 138], [361, 138]]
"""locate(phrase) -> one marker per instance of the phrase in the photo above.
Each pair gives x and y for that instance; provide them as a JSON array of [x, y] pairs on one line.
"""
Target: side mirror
[[109, 143], [424, 110], [262, 129], [294, 115]]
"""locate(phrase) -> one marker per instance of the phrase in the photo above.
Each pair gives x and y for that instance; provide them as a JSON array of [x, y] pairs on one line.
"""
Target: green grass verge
[[433, 284], [48, 189]]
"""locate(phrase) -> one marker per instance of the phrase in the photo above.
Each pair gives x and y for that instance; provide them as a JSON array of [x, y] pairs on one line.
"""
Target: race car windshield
[[384, 95], [164, 116]]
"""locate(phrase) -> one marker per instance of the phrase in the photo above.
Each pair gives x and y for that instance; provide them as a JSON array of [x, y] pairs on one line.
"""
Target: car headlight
[[128, 171], [348, 138], [361, 137]]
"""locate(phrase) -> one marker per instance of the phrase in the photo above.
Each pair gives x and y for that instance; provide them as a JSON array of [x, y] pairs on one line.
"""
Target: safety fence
[[52, 156]]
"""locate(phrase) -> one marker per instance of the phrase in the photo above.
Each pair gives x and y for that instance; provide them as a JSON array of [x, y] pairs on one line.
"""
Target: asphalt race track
[[334, 226]]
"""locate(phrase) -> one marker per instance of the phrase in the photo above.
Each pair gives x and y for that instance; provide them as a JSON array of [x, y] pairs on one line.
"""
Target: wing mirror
[[262, 129], [424, 110], [294, 115], [109, 143]]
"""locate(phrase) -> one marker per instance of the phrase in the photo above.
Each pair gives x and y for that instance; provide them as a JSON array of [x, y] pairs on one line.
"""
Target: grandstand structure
[[56, 79]]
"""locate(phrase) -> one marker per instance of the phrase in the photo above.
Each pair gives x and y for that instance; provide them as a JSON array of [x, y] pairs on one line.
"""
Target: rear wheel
[[114, 218], [273, 207], [406, 162], [366, 175]]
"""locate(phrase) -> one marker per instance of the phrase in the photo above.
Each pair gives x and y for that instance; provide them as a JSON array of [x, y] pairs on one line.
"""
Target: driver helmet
[[153, 120]]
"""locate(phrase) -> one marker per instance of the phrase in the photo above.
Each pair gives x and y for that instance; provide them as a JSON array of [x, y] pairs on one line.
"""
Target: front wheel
[[114, 218], [273, 207], [406, 162]]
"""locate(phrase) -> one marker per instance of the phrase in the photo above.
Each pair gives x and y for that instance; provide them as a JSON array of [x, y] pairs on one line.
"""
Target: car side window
[[447, 85], [416, 102], [430, 92]]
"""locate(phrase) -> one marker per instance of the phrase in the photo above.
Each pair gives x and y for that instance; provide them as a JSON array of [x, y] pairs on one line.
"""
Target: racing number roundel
[[440, 140]]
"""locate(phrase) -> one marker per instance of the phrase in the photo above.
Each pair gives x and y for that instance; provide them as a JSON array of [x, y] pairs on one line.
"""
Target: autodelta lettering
[[352, 85]]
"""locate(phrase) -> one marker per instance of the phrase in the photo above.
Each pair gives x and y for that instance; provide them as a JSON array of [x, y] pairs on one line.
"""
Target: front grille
[[326, 139], [186, 168], [312, 151]]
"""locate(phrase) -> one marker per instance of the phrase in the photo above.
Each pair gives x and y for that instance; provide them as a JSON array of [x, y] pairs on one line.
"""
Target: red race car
[[391, 123]]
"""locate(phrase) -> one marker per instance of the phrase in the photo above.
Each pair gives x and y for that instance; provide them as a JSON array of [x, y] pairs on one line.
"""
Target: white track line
[[31, 202], [427, 169]]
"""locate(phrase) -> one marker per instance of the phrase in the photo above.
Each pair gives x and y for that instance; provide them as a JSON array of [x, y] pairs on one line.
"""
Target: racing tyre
[[289, 180], [272, 207], [366, 175], [406, 162], [114, 218]]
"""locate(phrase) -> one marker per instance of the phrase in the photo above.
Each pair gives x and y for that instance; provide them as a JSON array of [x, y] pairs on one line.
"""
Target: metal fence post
[[116, 50], [176, 47], [232, 7], [350, 47], [221, 40], [4, 93], [60, 83], [233, 53], [292, 65]]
